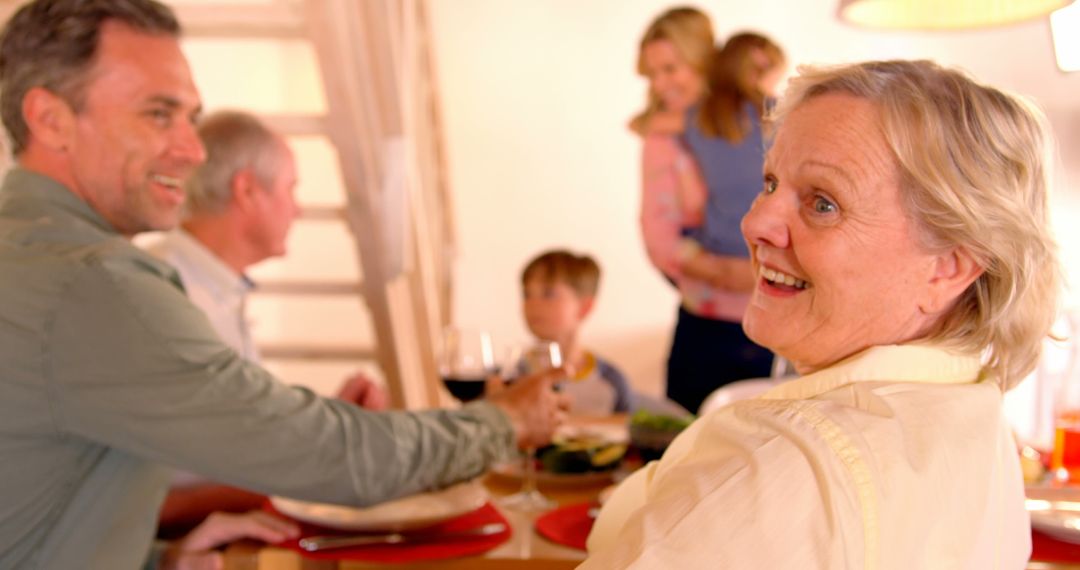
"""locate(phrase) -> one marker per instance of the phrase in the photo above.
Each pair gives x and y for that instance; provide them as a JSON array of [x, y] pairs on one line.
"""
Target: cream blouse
[[897, 457]]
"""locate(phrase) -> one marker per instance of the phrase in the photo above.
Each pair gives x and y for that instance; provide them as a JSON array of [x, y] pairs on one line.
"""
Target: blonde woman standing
[[684, 221], [675, 53], [724, 134]]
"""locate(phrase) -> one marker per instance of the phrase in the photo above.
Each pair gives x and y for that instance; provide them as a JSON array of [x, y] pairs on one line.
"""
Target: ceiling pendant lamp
[[943, 14]]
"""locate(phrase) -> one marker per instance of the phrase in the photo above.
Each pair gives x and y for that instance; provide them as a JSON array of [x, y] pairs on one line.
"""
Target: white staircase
[[376, 116]]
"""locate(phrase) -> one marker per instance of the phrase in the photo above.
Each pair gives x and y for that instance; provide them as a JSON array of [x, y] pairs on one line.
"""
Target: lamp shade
[[943, 14]]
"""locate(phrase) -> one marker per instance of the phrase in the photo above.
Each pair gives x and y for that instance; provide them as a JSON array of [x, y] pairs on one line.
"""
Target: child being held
[[558, 292]]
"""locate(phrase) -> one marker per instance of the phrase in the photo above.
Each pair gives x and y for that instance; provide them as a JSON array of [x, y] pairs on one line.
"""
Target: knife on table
[[328, 542]]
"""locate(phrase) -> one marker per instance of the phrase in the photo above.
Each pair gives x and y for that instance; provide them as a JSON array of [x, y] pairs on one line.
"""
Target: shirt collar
[[31, 191], [893, 363], [217, 274]]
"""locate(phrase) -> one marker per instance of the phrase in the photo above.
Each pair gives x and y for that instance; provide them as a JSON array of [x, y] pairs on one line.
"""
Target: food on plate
[[660, 422], [581, 454]]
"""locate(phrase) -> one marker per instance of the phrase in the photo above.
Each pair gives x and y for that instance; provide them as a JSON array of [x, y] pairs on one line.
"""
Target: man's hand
[[534, 407], [194, 551], [361, 390]]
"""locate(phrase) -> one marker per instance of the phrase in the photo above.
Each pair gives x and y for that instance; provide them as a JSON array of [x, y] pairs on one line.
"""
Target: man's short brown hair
[[52, 44], [580, 272]]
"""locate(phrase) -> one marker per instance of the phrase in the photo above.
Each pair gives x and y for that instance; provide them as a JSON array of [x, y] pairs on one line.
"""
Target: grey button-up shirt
[[108, 375]]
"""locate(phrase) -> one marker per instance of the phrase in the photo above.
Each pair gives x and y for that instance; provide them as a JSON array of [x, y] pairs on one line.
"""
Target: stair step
[[282, 19], [332, 213], [296, 124], [295, 287], [282, 351]]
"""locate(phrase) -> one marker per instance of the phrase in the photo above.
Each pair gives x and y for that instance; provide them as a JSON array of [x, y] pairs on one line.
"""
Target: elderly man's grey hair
[[234, 141]]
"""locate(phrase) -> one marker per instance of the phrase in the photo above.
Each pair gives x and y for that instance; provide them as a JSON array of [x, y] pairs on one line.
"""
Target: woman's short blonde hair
[[690, 31], [974, 165]]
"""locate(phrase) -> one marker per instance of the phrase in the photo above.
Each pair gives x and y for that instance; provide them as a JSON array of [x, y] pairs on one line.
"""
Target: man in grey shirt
[[107, 373]]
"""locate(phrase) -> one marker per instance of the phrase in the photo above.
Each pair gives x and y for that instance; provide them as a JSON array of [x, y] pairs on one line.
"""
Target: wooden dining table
[[525, 550]]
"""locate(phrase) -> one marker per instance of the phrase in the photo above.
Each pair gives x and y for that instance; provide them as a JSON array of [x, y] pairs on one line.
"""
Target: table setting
[[1053, 503], [537, 510], [1052, 470], [490, 534], [469, 525], [568, 525], [532, 511], [450, 523], [1055, 522]]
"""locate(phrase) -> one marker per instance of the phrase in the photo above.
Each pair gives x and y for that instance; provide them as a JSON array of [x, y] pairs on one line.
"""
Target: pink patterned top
[[672, 198]]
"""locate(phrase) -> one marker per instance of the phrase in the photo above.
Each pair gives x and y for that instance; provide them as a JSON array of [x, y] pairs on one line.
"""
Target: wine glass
[[534, 358], [465, 362]]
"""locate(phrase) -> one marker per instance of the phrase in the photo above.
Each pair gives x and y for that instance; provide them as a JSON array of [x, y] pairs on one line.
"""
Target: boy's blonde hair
[[580, 272]]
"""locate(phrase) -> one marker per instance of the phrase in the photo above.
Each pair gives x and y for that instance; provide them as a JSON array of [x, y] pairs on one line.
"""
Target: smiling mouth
[[777, 278], [170, 181]]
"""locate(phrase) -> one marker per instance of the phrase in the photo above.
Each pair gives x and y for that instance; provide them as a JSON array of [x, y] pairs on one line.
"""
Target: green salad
[[660, 422], [652, 433]]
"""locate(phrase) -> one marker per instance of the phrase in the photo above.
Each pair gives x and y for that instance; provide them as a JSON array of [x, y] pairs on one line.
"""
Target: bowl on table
[[652, 433]]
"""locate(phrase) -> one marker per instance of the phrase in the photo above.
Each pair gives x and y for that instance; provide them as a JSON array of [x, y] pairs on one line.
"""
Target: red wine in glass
[[465, 362], [465, 389]]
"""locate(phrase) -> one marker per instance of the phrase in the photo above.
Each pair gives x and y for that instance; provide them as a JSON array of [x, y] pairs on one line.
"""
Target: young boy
[[559, 289]]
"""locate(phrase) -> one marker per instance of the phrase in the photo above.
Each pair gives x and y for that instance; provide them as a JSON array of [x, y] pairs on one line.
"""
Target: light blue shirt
[[733, 176]]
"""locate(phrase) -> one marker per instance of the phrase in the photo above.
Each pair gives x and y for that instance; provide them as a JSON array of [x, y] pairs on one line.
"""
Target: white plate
[[416, 511], [1055, 511]]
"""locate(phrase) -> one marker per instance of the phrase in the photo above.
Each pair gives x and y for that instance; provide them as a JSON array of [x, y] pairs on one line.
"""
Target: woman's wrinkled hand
[[196, 550]]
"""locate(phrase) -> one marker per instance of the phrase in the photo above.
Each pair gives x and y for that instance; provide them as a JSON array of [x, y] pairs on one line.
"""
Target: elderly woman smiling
[[905, 268]]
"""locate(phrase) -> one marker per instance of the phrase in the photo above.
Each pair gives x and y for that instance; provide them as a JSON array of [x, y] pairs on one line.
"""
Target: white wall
[[536, 93]]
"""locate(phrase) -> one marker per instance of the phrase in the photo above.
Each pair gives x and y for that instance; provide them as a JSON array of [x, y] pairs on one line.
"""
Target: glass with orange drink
[[1065, 461]]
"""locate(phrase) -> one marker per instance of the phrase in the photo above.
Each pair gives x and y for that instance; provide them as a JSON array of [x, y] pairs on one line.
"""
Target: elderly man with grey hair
[[239, 209], [240, 206]]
